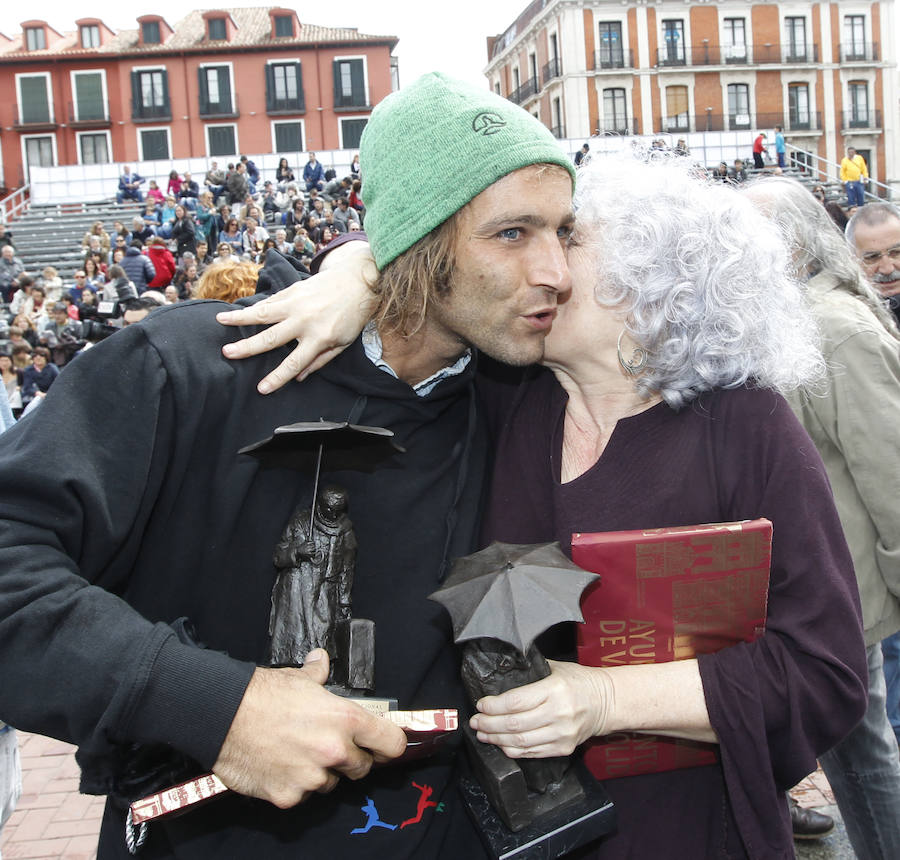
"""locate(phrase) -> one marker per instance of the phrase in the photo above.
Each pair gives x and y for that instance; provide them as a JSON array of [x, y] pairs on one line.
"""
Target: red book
[[668, 594]]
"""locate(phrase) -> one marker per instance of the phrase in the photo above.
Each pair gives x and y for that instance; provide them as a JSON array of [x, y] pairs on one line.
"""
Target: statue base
[[516, 823]]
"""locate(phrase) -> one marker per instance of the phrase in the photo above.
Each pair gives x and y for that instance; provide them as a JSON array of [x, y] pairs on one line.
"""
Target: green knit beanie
[[428, 149]]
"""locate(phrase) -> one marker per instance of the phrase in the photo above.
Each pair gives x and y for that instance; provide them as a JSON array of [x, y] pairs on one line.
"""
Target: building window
[[558, 129], [150, 94], [738, 106], [89, 101], [221, 139], [351, 132], [284, 26], [154, 144], [90, 36], [34, 99], [798, 106], [554, 48], [795, 35], [854, 37], [611, 54], [532, 68], [349, 83], [150, 34], [673, 37], [39, 151], [497, 87], [35, 38], [734, 42], [94, 148], [516, 81], [288, 136], [859, 104], [215, 91], [677, 118], [615, 117], [284, 87], [216, 29]]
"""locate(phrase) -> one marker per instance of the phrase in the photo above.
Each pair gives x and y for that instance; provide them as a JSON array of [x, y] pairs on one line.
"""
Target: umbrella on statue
[[341, 445], [513, 592]]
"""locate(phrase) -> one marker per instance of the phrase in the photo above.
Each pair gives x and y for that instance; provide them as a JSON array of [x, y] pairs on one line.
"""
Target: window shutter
[[336, 69], [270, 87], [358, 82], [165, 85], [204, 90], [301, 99], [136, 101], [225, 88]]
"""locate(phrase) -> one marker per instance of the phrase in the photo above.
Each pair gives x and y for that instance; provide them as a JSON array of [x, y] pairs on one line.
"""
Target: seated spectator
[[163, 264], [129, 186], [223, 251], [232, 236], [285, 199], [120, 230], [313, 174], [252, 173], [205, 217], [183, 231], [203, 255], [98, 231], [138, 268], [281, 242], [283, 174], [185, 280], [354, 166], [337, 188], [10, 269], [93, 277], [151, 212], [52, 284], [174, 187], [39, 376], [5, 236], [100, 263], [12, 381], [188, 192], [318, 208], [738, 173], [228, 281], [306, 245], [21, 295], [118, 280], [117, 256], [87, 307], [58, 321], [155, 195], [356, 201], [325, 238], [141, 229], [214, 180], [171, 294], [80, 287], [167, 217], [36, 308], [313, 230], [720, 174], [254, 238], [344, 214], [270, 207], [120, 244], [21, 353], [295, 218], [138, 309]]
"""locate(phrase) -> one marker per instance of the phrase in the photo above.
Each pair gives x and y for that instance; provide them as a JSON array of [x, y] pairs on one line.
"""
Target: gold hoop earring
[[638, 361]]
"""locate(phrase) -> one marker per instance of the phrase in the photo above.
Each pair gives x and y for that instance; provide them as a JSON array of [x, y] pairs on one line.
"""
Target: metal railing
[[141, 111], [93, 114], [623, 126], [28, 116], [524, 91], [859, 53], [823, 170], [861, 119], [15, 204], [719, 55], [209, 110], [558, 131], [613, 58], [551, 70]]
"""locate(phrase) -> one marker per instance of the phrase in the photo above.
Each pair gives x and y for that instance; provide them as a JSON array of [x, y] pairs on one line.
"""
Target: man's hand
[[291, 737]]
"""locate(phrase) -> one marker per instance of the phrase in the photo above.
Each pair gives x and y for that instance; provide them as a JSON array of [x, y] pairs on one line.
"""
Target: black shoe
[[807, 823]]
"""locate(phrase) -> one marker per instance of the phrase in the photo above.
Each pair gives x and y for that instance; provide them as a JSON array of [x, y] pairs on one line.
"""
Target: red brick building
[[216, 83], [824, 71]]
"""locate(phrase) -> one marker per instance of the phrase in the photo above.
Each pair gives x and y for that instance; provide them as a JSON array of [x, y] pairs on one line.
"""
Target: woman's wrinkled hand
[[550, 717], [324, 313]]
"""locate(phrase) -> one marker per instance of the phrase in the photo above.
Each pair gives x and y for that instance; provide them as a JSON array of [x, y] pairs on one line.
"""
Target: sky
[[452, 41]]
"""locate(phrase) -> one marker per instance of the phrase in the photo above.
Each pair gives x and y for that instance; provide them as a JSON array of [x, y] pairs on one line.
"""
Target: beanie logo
[[487, 122]]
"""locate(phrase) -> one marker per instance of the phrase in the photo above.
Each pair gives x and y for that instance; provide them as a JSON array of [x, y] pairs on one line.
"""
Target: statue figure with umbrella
[[500, 600]]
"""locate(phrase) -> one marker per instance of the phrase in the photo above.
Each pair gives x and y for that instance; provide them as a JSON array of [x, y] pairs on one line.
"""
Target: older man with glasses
[[874, 234]]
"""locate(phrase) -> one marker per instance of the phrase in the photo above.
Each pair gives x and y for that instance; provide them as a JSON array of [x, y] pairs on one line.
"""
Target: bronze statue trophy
[[500, 599]]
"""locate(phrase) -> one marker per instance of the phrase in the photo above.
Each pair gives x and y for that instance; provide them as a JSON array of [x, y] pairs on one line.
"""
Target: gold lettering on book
[[626, 643]]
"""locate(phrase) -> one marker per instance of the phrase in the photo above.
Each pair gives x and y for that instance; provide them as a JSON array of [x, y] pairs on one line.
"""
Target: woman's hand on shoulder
[[550, 717], [325, 313]]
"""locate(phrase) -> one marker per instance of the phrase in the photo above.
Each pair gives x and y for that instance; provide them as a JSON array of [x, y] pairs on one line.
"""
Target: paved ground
[[52, 820]]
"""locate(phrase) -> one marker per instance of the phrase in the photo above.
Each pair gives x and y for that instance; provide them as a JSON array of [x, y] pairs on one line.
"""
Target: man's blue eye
[[510, 233]]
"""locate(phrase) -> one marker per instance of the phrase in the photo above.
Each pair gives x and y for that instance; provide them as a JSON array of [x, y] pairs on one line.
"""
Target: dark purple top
[[775, 704]]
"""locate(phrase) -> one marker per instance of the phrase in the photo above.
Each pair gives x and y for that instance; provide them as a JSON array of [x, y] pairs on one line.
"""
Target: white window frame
[[282, 121], [207, 126], [600, 18], [74, 91], [748, 34], [42, 31], [287, 61], [808, 34], [81, 29], [230, 65], [676, 15], [139, 129], [156, 68], [24, 137], [94, 132], [365, 62], [341, 118], [48, 80]]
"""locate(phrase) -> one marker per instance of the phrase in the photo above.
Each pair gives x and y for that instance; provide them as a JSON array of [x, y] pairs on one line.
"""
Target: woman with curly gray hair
[[660, 405]]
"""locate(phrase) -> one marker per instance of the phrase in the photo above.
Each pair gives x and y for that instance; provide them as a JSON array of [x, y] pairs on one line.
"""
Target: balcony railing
[[143, 112], [621, 125], [33, 117], [799, 121], [859, 53], [862, 119], [95, 114], [524, 91], [551, 70], [677, 124], [717, 55], [356, 99], [558, 131], [210, 110], [613, 58]]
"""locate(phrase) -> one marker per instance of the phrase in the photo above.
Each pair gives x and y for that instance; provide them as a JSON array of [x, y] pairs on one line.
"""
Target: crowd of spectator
[[190, 241]]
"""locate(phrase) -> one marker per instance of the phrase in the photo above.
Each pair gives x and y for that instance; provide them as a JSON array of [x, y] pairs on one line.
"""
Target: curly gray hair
[[702, 279]]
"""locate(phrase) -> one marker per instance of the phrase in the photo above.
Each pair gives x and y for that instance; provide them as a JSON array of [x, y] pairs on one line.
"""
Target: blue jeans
[[864, 773], [890, 650], [781, 159], [855, 193]]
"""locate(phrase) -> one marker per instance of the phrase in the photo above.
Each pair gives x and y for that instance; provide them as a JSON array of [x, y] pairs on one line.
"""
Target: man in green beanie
[[104, 548]]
